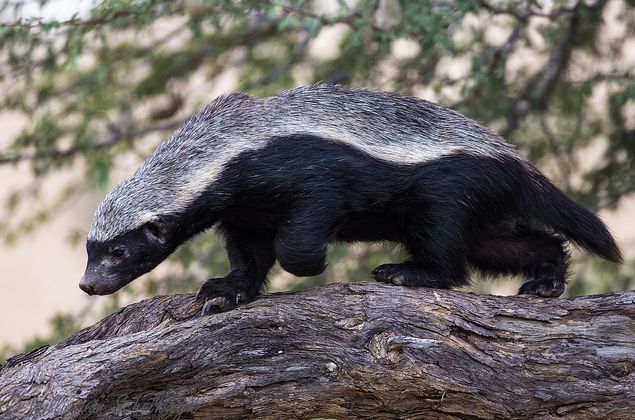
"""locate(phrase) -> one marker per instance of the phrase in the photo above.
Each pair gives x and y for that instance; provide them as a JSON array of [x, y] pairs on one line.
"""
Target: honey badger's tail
[[553, 208]]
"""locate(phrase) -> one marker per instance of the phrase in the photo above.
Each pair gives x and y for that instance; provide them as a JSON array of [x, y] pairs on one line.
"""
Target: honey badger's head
[[167, 201], [135, 228], [128, 237], [115, 262]]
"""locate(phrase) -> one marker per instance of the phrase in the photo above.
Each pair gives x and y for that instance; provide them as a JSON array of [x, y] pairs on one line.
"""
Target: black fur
[[458, 213]]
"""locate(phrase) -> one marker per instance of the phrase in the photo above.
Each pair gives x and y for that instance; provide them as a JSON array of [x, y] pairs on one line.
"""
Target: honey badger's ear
[[154, 231]]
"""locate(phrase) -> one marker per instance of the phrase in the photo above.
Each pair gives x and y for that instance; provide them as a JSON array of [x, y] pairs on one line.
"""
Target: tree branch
[[340, 351], [116, 137], [539, 89]]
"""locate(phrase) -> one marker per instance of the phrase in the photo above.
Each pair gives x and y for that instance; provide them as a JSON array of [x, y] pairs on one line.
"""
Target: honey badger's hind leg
[[521, 251], [437, 258], [251, 255]]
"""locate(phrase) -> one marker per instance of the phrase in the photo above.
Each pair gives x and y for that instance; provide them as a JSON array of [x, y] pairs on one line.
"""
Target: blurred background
[[89, 89]]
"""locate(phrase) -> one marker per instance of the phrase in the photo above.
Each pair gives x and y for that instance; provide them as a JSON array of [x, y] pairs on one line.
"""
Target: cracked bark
[[340, 351]]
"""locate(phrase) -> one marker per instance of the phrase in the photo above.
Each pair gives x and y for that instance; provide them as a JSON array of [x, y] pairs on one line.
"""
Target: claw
[[220, 304], [215, 305], [207, 308], [219, 295], [241, 297]]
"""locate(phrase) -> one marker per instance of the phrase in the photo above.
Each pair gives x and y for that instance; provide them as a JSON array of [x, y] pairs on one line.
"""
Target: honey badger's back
[[389, 127]]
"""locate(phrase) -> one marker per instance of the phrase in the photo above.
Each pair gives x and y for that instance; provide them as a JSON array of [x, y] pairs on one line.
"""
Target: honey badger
[[282, 177]]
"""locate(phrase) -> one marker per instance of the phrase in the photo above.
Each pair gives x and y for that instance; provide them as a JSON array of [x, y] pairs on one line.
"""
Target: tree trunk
[[340, 351]]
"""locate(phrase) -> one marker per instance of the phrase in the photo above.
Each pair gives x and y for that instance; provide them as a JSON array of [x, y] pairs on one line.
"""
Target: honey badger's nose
[[85, 285]]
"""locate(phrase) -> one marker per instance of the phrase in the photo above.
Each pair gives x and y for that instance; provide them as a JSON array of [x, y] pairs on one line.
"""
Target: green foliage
[[93, 89]]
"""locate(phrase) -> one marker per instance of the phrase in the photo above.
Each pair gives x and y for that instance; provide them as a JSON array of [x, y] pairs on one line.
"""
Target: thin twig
[[618, 75], [327, 21], [530, 12]]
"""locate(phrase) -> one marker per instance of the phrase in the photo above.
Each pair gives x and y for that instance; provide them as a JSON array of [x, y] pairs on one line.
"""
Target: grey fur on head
[[399, 129]]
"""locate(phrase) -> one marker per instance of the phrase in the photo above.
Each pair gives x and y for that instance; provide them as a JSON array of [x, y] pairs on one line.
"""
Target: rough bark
[[340, 351]]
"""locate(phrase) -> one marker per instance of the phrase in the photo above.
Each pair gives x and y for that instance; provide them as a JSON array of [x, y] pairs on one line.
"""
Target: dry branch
[[340, 351]]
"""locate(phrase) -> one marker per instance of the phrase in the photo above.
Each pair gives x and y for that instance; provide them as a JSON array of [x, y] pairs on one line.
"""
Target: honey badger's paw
[[410, 274], [547, 288], [220, 295], [391, 273]]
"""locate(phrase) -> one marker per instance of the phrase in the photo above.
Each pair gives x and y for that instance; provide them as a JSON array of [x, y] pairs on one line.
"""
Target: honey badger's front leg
[[251, 255], [299, 243]]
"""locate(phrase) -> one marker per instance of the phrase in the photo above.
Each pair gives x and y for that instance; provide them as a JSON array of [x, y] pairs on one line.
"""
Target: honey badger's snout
[[93, 284], [87, 285]]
